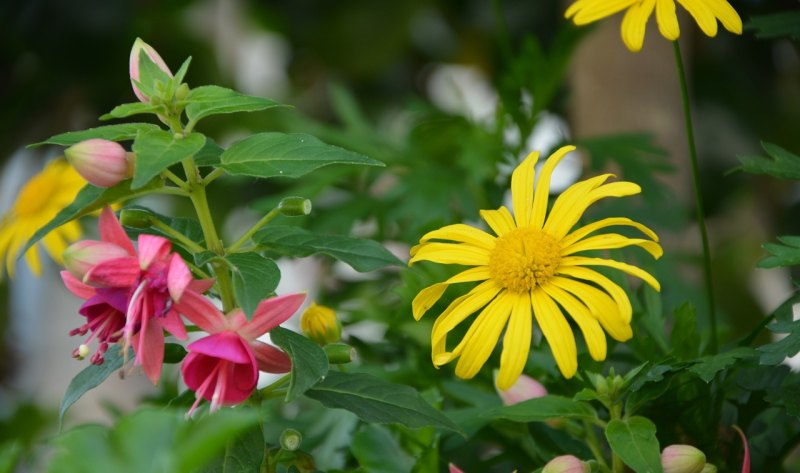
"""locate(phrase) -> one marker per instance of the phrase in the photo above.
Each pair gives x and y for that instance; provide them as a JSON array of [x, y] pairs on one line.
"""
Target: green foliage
[[157, 150], [685, 340], [377, 450], [634, 440], [209, 100], [118, 132], [129, 109], [89, 378], [254, 279], [789, 345], [543, 408], [778, 163], [775, 25], [309, 362], [787, 254]]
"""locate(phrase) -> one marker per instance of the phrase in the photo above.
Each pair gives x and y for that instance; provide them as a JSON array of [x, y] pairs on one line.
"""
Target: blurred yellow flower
[[39, 200], [705, 13], [531, 270]]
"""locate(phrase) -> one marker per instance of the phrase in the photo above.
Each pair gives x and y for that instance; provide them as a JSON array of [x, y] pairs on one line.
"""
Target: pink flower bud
[[565, 464], [101, 162], [682, 459], [82, 256], [524, 388], [454, 469], [138, 46]]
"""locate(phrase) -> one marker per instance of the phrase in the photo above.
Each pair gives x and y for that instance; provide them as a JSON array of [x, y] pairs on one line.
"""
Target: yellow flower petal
[[610, 241], [702, 15], [32, 258], [617, 293], [450, 253], [634, 24], [482, 336], [627, 268], [516, 342], [461, 233], [556, 331], [598, 9], [726, 15], [543, 186], [499, 220], [667, 19], [606, 222], [55, 245], [568, 207], [522, 189], [431, 294], [590, 327], [601, 306], [462, 308]]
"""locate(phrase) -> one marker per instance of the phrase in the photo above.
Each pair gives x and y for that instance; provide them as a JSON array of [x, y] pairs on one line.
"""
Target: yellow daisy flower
[[39, 200], [705, 13], [533, 269]]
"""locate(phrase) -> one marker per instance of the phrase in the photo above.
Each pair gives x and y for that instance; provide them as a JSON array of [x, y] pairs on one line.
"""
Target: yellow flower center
[[523, 258], [35, 195]]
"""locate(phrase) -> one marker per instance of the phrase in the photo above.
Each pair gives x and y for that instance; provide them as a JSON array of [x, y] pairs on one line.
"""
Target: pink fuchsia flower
[[223, 367], [566, 464], [139, 46], [81, 256], [103, 163], [524, 388]]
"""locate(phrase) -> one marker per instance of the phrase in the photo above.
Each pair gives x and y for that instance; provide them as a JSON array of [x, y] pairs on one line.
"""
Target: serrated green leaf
[[133, 108], [685, 340], [375, 400], [120, 132], [362, 255], [254, 279], [707, 367], [210, 100], [778, 163], [774, 25], [286, 155], [209, 154], [789, 345], [309, 362], [634, 441], [543, 408], [89, 199], [787, 254], [376, 449], [89, 378], [157, 150]]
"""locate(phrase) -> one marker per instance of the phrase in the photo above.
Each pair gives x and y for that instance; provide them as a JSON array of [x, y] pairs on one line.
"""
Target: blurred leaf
[[787, 254], [776, 352], [543, 408], [254, 279], [362, 255], [287, 155], [197, 442], [120, 132], [377, 450], [208, 100], [788, 397], [244, 454], [157, 150], [685, 341], [10, 453], [309, 362], [91, 377], [375, 400], [634, 440], [209, 154], [708, 366], [128, 109], [774, 25], [778, 163], [174, 353]]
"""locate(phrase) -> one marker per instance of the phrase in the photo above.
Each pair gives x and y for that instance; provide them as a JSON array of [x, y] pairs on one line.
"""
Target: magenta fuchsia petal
[[227, 345], [112, 232], [178, 277], [173, 324], [271, 359], [84, 291], [201, 312], [207, 376], [152, 248], [119, 272], [270, 313]]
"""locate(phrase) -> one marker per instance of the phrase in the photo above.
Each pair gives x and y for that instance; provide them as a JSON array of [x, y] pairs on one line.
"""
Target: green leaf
[[157, 150], [120, 132], [199, 441], [778, 163], [287, 155], [543, 408], [189, 227], [89, 378], [375, 400], [254, 279], [209, 154], [786, 23], [210, 100], [134, 108], [707, 367], [89, 199], [776, 352], [376, 449], [634, 441], [685, 340], [244, 454], [150, 75], [309, 362], [787, 396], [787, 254], [174, 353], [362, 255]]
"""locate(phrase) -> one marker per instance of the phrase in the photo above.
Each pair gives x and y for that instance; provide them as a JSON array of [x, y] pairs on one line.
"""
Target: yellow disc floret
[[523, 259]]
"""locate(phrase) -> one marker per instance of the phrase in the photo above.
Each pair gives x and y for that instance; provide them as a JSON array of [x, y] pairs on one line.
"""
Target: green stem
[[277, 384], [594, 445], [617, 465], [177, 236], [175, 179], [698, 198], [168, 190], [213, 175], [246, 237]]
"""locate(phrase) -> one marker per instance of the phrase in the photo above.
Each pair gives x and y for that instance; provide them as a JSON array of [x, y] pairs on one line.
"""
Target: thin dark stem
[[698, 197]]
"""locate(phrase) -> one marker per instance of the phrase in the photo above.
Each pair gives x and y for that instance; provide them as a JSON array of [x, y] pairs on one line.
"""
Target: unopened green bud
[[290, 440], [319, 323], [601, 385], [136, 218], [182, 92], [617, 383], [295, 206], [156, 100], [682, 459], [340, 353]]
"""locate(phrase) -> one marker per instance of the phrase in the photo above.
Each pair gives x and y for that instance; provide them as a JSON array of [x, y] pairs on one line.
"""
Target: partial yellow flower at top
[[532, 269], [39, 200], [705, 13]]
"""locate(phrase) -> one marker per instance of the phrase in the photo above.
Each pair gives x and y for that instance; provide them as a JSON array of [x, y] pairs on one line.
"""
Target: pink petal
[[111, 231], [746, 459], [270, 313], [76, 287], [239, 378], [119, 272], [150, 349], [152, 248], [200, 311], [178, 277], [454, 469], [172, 323], [225, 345], [201, 285], [271, 359]]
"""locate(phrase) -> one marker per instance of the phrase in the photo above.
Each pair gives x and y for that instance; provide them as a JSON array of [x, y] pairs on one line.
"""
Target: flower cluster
[[132, 295]]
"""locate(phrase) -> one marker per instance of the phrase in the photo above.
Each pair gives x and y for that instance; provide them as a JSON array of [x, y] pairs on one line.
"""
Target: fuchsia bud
[[565, 464], [524, 388], [682, 459], [101, 162], [453, 469], [139, 46], [80, 257]]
